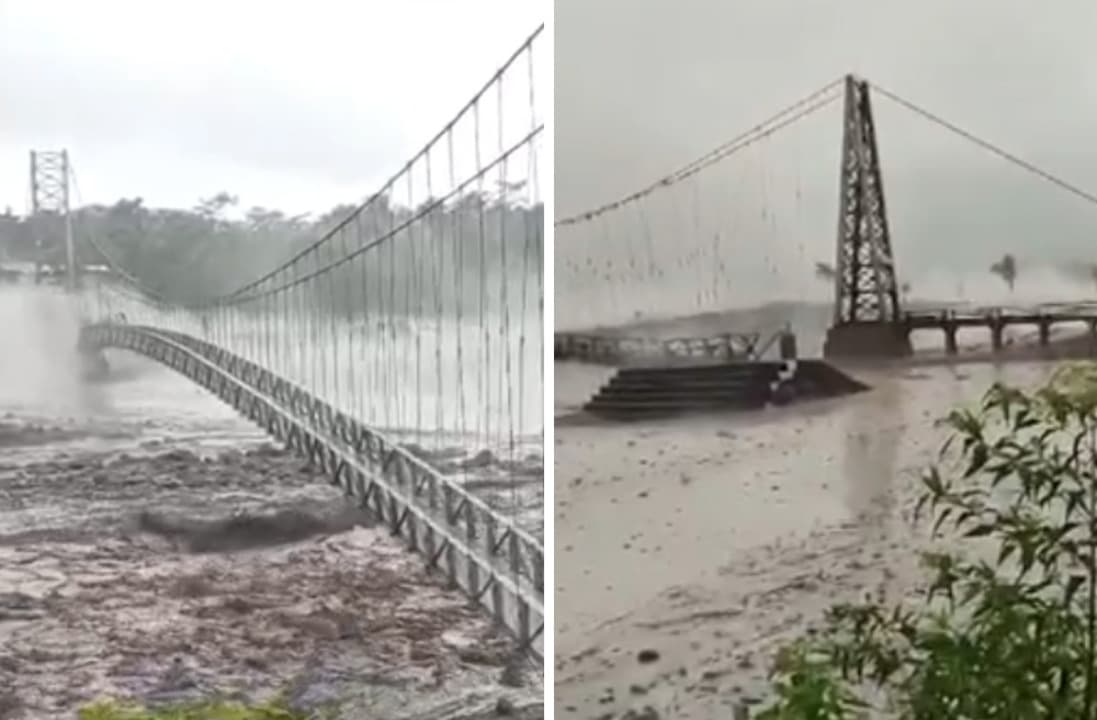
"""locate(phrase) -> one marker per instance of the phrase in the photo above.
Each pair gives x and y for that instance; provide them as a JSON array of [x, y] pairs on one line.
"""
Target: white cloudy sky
[[644, 86], [290, 104]]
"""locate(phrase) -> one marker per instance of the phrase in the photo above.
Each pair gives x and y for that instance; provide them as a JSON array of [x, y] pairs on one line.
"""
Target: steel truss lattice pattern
[[866, 289], [486, 555]]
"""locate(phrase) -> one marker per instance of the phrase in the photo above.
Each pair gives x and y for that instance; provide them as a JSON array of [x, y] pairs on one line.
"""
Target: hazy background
[[212, 143], [644, 87], [290, 105]]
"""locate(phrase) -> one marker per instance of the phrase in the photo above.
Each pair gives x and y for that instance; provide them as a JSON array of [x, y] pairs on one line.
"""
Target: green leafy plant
[[1007, 625], [205, 710]]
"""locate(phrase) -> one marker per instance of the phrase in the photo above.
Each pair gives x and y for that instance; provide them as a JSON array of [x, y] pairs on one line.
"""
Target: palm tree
[[1006, 268], [825, 272]]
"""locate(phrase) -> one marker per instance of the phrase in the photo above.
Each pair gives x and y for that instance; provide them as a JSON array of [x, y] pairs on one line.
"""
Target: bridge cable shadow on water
[[401, 351]]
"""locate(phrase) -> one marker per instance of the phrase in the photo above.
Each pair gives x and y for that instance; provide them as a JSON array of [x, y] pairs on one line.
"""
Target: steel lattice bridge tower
[[51, 214], [400, 351], [867, 310]]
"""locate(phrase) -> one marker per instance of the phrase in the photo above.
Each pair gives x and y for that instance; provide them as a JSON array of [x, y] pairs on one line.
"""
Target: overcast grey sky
[[294, 105], [644, 86]]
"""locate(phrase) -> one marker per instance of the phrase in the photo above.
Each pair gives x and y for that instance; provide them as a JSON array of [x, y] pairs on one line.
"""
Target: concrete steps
[[635, 393], [654, 392]]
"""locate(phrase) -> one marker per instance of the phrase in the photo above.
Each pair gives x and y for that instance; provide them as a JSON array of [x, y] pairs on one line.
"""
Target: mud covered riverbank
[[688, 551], [169, 574]]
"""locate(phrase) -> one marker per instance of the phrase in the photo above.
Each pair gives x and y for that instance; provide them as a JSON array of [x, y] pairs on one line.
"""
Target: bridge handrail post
[[514, 553], [410, 473], [447, 500]]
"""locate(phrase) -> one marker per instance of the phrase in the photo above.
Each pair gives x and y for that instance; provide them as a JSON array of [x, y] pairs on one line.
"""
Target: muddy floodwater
[[688, 550], [155, 546]]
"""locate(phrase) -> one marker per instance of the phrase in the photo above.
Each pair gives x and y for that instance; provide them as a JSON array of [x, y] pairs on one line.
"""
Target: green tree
[[197, 254]]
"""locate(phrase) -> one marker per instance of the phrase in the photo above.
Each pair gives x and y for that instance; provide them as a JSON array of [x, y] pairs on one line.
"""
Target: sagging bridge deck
[[498, 565]]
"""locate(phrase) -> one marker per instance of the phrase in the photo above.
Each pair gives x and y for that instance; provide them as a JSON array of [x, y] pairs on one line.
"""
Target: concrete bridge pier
[[1092, 324], [867, 340], [997, 332], [1044, 324], [952, 347]]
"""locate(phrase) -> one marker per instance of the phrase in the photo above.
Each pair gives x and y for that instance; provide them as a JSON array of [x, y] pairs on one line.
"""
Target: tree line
[[212, 249]]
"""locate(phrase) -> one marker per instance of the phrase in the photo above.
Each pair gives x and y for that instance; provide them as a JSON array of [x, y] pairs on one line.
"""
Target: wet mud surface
[[689, 551], [154, 546], [168, 574]]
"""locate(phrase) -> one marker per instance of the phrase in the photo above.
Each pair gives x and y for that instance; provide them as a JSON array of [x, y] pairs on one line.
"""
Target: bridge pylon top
[[866, 289], [49, 190], [866, 294]]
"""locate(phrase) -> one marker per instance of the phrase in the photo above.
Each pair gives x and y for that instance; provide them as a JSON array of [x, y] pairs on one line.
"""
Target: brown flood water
[[688, 550], [153, 546]]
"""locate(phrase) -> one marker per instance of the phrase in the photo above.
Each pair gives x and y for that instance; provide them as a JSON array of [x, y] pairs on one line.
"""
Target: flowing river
[[155, 546], [689, 550]]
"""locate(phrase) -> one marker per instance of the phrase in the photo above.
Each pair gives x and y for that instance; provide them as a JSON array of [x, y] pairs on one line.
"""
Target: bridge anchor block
[[867, 340]]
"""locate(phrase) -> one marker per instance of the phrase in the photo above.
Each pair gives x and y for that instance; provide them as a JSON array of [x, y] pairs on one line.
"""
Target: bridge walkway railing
[[488, 556]]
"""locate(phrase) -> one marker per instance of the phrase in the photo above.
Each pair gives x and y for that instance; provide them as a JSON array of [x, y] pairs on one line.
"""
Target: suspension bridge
[[724, 245], [401, 350]]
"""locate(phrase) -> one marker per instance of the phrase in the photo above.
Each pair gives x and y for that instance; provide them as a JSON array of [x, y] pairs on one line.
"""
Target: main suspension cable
[[797, 111], [987, 145]]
